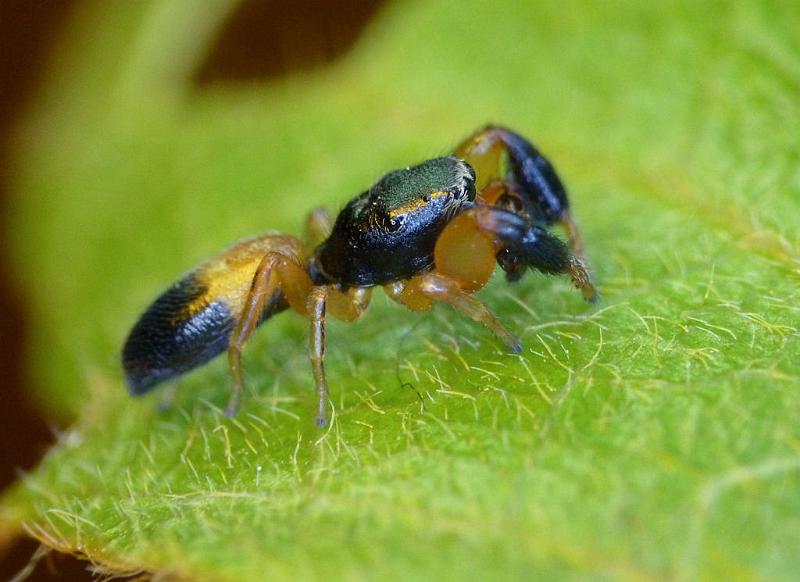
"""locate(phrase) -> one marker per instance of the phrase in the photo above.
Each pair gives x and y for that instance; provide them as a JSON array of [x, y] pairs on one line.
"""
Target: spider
[[425, 233]]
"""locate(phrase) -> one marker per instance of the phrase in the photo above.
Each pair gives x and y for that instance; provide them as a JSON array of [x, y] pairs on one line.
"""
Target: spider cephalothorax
[[388, 232]]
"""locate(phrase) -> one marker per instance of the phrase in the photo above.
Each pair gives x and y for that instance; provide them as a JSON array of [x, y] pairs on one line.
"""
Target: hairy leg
[[295, 283], [346, 306], [469, 245], [317, 307], [317, 228], [529, 176], [167, 397], [573, 233], [442, 288], [276, 272], [264, 285], [539, 249]]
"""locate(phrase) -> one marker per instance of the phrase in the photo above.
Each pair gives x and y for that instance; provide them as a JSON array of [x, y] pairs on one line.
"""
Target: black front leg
[[502, 155], [545, 252]]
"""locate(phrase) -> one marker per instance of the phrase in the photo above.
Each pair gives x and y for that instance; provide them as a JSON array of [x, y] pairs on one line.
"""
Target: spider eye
[[395, 223]]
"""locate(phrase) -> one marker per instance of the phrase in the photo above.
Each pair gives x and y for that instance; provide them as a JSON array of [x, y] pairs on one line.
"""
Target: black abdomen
[[178, 332]]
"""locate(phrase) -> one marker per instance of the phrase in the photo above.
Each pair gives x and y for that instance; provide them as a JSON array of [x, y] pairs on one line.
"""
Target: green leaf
[[654, 436]]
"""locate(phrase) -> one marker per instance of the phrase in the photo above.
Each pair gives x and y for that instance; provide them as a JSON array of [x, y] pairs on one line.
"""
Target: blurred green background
[[651, 437]]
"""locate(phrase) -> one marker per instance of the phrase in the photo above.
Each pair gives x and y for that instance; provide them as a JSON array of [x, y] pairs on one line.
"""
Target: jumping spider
[[430, 232]]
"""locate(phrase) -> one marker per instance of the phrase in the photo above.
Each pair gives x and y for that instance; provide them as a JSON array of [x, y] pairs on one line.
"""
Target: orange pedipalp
[[465, 253]]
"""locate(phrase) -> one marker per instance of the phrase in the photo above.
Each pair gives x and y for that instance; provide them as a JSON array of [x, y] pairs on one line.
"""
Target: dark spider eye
[[395, 223]]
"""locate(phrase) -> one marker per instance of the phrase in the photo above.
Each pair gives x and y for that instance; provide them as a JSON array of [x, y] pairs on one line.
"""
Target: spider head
[[389, 231], [421, 196]]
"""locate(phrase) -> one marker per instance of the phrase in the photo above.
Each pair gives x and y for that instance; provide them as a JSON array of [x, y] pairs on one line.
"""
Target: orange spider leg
[[442, 288], [350, 305], [465, 258], [408, 294], [317, 227], [275, 272], [317, 307], [492, 193], [573, 233], [263, 286], [484, 151], [295, 284], [347, 306]]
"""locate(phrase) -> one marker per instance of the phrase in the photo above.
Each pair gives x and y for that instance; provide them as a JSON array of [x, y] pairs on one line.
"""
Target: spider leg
[[442, 288], [541, 250], [168, 396], [263, 286], [346, 306], [275, 273], [349, 305], [408, 294], [529, 176], [317, 227], [317, 308], [573, 233]]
